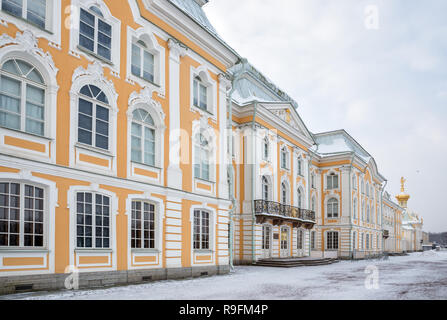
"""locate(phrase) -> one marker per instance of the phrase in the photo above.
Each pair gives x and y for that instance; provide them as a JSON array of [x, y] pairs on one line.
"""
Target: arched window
[[363, 211], [363, 187], [284, 158], [95, 34], [201, 158], [367, 213], [143, 64], [367, 189], [93, 117], [312, 180], [200, 94], [332, 181], [265, 189], [355, 208], [332, 208], [266, 148], [284, 197], [143, 137], [314, 202], [300, 198], [354, 182], [300, 167], [22, 97]]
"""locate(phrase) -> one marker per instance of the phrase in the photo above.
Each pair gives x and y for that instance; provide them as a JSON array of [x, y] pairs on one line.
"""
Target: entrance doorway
[[285, 252], [266, 241]]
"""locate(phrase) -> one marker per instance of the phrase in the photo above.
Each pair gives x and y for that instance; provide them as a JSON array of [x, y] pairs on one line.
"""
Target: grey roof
[[253, 85], [330, 143], [194, 10]]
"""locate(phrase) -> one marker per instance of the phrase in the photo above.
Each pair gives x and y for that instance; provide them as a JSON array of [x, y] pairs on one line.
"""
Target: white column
[[174, 172], [225, 157]]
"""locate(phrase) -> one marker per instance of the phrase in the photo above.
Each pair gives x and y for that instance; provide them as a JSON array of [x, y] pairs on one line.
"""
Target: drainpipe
[[309, 198], [253, 191], [230, 164], [381, 214], [351, 247]]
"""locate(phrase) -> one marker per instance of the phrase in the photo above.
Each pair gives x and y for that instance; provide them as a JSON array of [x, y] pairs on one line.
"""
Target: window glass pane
[[136, 60], [148, 67], [104, 40], [102, 142], [13, 6], [36, 12], [102, 113], [203, 97], [104, 52], [196, 93], [11, 66], [86, 42], [104, 28]]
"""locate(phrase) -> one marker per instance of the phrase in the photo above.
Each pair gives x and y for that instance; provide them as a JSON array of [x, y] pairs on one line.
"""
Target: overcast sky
[[384, 82]]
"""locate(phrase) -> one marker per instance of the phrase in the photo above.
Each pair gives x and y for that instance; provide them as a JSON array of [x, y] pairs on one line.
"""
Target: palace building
[[137, 145]]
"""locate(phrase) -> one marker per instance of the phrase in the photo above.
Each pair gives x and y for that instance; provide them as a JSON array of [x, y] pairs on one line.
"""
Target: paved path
[[418, 276]]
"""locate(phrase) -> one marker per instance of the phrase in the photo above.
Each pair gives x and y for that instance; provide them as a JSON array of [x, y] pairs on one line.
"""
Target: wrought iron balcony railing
[[275, 208]]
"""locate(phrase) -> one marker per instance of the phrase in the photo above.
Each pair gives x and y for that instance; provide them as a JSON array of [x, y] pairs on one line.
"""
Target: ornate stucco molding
[[28, 42]]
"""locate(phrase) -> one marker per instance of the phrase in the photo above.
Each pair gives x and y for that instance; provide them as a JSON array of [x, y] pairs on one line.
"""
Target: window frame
[[143, 141], [300, 240], [142, 219], [96, 30], [330, 179], [22, 208], [284, 159], [24, 84], [93, 223], [95, 103], [332, 240], [24, 15], [201, 233], [266, 149], [143, 49], [199, 146], [333, 203]]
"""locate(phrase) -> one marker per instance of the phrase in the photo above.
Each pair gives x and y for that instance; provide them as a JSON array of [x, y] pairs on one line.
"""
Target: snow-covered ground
[[417, 276]]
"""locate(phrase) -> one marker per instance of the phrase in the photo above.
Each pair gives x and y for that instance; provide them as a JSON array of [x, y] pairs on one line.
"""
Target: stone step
[[294, 263]]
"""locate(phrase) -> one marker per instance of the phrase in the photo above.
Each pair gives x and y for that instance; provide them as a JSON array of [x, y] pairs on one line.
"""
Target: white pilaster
[[224, 86], [174, 172]]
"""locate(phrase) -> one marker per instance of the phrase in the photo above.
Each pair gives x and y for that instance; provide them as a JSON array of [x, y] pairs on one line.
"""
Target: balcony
[[281, 213]]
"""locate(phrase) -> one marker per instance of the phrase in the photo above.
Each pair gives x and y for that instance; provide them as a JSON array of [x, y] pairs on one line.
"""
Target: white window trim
[[71, 201], [327, 239], [93, 75], [50, 204], [147, 35], [25, 47], [211, 85], [326, 177], [212, 237], [53, 25], [285, 150], [329, 197], [114, 64], [143, 100]]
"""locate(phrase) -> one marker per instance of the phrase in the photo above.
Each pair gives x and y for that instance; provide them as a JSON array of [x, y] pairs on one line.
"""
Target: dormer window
[[95, 34], [143, 64], [33, 11], [200, 94]]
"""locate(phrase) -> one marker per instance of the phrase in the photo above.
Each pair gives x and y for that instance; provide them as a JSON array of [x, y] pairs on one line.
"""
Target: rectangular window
[[312, 240], [93, 124], [299, 244], [95, 35], [143, 225], [332, 181], [21, 215], [332, 240], [92, 220], [32, 10], [200, 94], [201, 230], [142, 62]]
